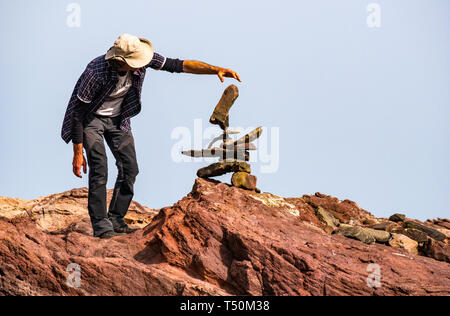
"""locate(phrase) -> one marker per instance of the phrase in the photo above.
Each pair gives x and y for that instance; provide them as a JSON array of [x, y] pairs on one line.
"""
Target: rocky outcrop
[[217, 240]]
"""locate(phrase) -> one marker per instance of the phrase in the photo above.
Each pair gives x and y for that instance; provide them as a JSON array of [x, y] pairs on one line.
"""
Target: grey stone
[[397, 217], [366, 235], [355, 232]]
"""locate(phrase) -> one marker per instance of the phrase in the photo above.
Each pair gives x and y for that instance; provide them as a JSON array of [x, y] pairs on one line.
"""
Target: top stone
[[220, 114]]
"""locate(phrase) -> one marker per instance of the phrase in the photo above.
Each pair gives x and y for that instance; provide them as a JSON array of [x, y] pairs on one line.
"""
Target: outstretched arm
[[201, 68]]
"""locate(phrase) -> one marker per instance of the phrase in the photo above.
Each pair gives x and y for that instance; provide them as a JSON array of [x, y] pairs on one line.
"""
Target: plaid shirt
[[96, 83]]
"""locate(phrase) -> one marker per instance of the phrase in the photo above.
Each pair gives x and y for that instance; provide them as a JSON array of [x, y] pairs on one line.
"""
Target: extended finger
[[220, 76]]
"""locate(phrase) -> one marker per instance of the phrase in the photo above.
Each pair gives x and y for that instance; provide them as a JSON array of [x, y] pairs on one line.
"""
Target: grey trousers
[[95, 130]]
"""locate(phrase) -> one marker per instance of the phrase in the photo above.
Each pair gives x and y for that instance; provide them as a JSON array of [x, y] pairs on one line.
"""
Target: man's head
[[130, 52], [121, 65]]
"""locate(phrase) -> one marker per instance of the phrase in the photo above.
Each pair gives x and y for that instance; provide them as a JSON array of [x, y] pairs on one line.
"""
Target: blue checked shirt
[[96, 83]]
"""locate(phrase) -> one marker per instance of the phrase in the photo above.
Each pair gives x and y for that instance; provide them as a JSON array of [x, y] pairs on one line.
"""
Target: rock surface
[[217, 240]]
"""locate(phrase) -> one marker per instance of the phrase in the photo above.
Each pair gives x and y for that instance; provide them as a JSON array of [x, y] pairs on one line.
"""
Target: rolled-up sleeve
[[160, 62]]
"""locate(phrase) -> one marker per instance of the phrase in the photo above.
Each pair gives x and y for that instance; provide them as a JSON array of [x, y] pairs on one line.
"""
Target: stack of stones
[[233, 154]]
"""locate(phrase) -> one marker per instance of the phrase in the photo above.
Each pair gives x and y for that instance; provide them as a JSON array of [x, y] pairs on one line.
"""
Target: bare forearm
[[199, 67], [78, 149]]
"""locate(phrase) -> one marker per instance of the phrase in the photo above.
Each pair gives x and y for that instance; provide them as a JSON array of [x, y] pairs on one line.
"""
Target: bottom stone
[[223, 167], [244, 180]]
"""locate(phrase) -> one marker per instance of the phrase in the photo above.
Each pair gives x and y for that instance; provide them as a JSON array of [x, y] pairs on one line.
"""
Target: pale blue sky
[[362, 112]]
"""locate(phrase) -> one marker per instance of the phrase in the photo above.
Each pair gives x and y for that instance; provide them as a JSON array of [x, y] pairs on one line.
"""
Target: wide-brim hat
[[136, 52]]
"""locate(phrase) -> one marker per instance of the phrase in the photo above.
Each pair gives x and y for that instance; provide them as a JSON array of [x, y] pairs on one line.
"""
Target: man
[[106, 96]]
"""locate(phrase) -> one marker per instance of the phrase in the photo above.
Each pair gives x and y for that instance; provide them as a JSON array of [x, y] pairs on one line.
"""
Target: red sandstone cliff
[[221, 240]]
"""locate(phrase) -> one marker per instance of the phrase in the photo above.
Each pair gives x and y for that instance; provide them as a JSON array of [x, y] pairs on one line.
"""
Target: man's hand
[[78, 160], [223, 72], [201, 68]]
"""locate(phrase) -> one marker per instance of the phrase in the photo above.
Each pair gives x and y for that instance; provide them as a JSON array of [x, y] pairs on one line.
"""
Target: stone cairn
[[232, 154]]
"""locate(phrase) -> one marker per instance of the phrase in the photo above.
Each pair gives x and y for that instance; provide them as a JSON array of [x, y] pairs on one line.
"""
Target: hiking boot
[[109, 234], [125, 230]]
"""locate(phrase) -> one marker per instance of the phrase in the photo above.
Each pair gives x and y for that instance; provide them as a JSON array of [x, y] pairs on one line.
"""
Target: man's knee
[[132, 172]]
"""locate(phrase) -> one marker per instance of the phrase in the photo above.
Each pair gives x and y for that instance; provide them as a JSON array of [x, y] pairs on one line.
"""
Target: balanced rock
[[244, 180], [223, 167], [403, 242], [221, 153], [433, 233], [246, 139], [220, 114], [397, 217]]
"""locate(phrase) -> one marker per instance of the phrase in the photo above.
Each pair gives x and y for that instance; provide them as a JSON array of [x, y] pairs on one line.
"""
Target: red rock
[[218, 240]]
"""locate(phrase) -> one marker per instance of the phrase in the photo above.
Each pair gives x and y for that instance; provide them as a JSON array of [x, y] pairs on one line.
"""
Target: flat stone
[[244, 180], [397, 217], [218, 152], [401, 241], [220, 114], [246, 139], [223, 167], [433, 233], [326, 217]]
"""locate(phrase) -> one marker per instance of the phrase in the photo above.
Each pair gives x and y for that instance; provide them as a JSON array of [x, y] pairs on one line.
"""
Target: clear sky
[[362, 112]]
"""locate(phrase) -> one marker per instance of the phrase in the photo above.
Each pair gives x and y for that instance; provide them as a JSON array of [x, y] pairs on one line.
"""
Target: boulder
[[379, 235], [356, 232], [403, 242], [244, 180], [397, 217]]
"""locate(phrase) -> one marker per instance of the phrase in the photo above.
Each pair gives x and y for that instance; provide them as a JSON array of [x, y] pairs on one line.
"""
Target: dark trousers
[[96, 129]]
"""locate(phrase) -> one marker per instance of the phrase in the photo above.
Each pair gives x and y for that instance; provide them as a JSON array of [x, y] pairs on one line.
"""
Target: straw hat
[[136, 52]]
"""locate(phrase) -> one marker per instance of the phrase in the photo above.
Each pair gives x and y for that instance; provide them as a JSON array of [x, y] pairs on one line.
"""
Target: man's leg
[[98, 175], [122, 146]]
